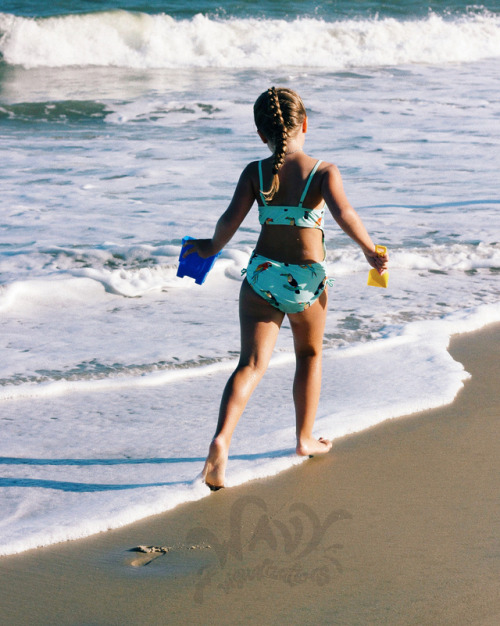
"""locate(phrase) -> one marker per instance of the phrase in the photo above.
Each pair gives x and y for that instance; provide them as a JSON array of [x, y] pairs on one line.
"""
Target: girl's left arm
[[347, 218], [229, 221]]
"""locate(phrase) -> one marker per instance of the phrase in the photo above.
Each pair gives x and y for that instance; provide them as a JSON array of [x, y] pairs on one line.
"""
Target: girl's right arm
[[230, 220], [346, 217]]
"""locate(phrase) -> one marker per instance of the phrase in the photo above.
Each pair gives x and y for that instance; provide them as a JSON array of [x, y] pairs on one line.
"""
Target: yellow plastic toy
[[374, 278]]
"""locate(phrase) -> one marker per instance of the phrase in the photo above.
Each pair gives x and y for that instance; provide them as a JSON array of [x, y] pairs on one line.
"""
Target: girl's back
[[289, 243]]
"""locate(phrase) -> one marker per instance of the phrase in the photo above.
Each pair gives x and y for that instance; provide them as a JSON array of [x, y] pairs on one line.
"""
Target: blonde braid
[[280, 139]]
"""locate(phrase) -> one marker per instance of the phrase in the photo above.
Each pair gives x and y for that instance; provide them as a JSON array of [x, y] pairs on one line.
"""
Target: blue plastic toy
[[193, 265]]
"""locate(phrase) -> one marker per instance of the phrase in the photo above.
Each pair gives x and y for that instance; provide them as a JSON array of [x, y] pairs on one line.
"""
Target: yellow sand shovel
[[374, 278]]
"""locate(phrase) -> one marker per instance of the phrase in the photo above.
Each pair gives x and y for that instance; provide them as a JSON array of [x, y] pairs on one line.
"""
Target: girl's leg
[[308, 328], [260, 324]]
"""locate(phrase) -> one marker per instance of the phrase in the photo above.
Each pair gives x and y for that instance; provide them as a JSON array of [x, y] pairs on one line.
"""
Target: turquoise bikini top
[[291, 215]]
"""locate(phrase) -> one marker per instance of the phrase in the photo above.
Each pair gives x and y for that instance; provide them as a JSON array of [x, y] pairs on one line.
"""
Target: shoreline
[[399, 524]]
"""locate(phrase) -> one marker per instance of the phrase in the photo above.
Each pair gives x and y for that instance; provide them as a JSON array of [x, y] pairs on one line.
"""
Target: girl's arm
[[229, 221], [346, 217]]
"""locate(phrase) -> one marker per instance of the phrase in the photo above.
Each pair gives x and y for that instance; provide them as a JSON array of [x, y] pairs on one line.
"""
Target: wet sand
[[399, 524]]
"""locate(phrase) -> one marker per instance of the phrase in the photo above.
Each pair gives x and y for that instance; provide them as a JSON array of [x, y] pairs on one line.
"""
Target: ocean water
[[124, 128]]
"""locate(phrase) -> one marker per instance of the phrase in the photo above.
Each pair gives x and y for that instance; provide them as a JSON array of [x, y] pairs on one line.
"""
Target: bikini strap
[[261, 184], [306, 188]]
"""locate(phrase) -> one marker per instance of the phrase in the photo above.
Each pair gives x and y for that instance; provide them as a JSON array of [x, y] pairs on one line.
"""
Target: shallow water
[[112, 367]]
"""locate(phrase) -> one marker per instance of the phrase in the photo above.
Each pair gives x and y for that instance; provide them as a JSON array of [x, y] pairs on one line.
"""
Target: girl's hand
[[377, 261], [203, 247]]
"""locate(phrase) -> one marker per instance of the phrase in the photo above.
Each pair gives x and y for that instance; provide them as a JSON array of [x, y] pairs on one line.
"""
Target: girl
[[287, 272]]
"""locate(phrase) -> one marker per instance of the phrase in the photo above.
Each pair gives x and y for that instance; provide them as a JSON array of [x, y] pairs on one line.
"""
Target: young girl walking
[[287, 273]]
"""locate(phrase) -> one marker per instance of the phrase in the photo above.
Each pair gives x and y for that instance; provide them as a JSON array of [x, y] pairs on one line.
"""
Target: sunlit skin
[[260, 322]]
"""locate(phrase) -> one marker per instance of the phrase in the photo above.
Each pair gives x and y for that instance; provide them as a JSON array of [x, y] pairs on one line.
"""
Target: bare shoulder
[[247, 188], [250, 176], [251, 171], [329, 170], [332, 188], [330, 176]]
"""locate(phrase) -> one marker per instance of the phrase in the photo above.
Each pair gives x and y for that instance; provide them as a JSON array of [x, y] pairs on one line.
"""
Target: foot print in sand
[[147, 554]]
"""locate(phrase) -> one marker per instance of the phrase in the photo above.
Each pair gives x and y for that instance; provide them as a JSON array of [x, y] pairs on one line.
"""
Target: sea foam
[[89, 491], [112, 368], [137, 40]]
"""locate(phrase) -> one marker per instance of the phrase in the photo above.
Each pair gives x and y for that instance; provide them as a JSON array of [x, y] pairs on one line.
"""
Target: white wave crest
[[438, 258], [137, 40]]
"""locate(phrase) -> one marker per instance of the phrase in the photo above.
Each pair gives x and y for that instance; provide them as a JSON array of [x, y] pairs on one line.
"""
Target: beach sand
[[399, 524]]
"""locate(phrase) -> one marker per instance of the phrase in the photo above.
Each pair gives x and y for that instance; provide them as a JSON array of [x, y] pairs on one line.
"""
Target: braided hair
[[278, 114]]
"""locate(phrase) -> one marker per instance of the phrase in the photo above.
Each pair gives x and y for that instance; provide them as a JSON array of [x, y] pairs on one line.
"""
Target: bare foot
[[311, 446], [215, 466]]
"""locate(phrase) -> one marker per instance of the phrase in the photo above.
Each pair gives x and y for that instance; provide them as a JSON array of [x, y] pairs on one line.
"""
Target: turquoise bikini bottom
[[288, 287]]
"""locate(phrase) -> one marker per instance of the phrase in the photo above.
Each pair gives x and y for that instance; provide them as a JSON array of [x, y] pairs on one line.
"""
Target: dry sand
[[397, 525]]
